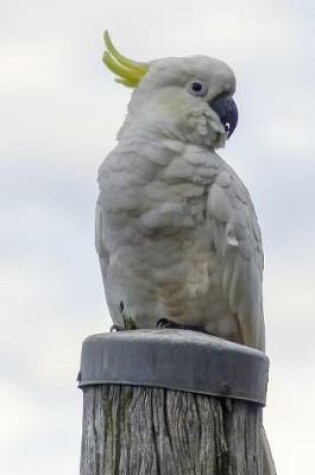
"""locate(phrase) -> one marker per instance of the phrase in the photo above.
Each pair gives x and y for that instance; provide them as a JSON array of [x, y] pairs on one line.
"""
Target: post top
[[180, 360]]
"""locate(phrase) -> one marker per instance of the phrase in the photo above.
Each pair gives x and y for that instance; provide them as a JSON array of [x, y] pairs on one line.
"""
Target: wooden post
[[171, 402]]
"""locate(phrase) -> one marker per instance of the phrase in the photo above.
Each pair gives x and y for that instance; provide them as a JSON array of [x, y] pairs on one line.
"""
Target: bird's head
[[189, 99]]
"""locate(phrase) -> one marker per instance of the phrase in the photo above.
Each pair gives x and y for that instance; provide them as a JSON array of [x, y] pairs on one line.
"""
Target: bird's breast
[[161, 258]]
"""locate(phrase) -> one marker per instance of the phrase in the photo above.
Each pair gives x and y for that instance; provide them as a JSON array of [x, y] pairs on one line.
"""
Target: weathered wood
[[162, 402], [152, 431]]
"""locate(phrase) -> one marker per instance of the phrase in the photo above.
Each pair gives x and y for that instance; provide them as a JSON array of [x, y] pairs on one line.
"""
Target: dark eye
[[197, 88]]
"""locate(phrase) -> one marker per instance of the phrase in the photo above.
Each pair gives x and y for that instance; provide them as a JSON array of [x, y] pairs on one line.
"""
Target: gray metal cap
[[181, 360]]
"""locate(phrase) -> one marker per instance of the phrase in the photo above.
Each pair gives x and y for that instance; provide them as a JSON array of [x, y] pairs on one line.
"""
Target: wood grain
[[131, 430]]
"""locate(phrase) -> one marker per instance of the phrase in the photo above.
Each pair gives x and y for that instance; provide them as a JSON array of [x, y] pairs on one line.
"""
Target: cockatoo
[[176, 230]]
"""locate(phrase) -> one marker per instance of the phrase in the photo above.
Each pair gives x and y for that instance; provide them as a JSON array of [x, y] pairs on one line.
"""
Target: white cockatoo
[[176, 231]]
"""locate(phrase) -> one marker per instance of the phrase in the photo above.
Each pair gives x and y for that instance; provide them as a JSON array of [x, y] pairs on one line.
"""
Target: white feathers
[[176, 231]]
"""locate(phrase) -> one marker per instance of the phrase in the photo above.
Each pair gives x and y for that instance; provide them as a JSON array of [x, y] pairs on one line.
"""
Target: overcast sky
[[59, 114]]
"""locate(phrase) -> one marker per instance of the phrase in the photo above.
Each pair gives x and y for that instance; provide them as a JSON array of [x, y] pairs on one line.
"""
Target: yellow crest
[[129, 72]]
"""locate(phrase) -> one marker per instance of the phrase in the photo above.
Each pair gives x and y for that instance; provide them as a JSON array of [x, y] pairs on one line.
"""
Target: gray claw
[[116, 328]]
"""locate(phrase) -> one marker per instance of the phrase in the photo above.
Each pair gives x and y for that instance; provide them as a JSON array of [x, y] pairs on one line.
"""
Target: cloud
[[17, 414], [29, 68]]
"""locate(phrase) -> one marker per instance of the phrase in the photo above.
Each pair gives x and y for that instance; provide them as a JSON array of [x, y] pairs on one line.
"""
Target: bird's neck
[[197, 128]]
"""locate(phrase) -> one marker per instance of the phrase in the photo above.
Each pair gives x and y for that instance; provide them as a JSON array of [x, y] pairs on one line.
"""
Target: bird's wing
[[100, 238], [237, 242]]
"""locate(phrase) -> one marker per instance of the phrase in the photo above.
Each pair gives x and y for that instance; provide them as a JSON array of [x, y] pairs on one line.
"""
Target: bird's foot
[[116, 328], [128, 322], [163, 323]]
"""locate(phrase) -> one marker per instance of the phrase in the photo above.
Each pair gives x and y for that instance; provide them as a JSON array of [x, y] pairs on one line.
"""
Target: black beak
[[226, 109]]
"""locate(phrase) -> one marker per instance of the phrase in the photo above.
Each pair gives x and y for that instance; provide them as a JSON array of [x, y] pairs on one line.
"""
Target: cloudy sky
[[59, 113]]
